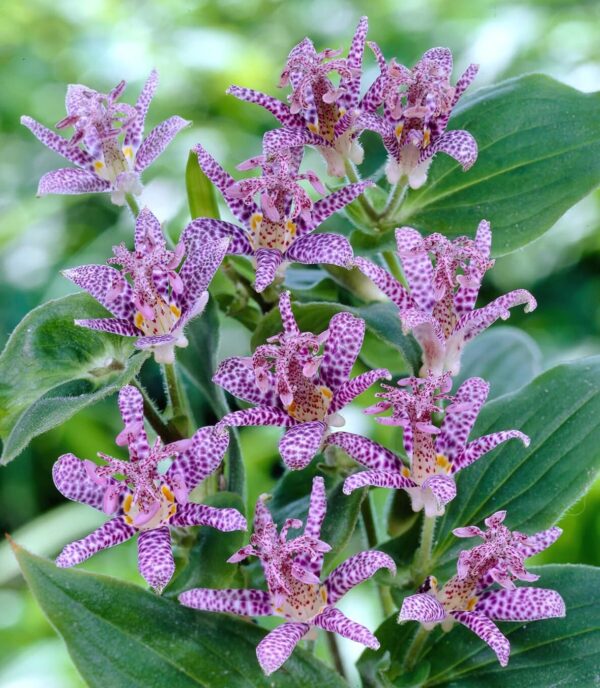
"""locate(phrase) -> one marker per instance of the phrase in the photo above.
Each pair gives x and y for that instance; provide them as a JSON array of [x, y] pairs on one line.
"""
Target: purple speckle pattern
[[300, 443], [335, 621], [71, 181], [521, 604], [111, 533], [201, 459], [73, 482], [155, 558], [223, 519], [313, 249], [278, 645], [356, 569], [207, 228], [423, 608], [341, 349], [157, 140], [242, 601], [135, 131], [487, 630], [268, 261]]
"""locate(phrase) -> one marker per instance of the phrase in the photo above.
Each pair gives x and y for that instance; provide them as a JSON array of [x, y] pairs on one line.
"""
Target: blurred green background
[[199, 49]]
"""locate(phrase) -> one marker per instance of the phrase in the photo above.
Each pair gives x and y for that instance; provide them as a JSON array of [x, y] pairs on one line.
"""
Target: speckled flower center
[[115, 160], [311, 401], [265, 233], [165, 318], [153, 514], [304, 601]]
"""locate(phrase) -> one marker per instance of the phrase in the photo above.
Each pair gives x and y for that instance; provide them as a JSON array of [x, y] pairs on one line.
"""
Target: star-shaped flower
[[279, 229], [294, 385], [470, 598], [292, 570], [107, 145], [435, 454], [144, 501], [444, 278], [157, 302]]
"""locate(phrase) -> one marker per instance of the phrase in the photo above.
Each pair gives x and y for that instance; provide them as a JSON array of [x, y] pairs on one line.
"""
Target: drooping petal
[[351, 86], [135, 130], [421, 607], [540, 541], [521, 604], [346, 334], [482, 445], [201, 263], [242, 602], [417, 267], [290, 326], [389, 285], [443, 489], [278, 645], [387, 479], [157, 140], [201, 458], [267, 262], [458, 144], [148, 232], [289, 139], [332, 249], [155, 557], [237, 377], [332, 619], [356, 569], [74, 482], [357, 385], [487, 631], [97, 280], [278, 109], [460, 416], [203, 515], [314, 520], [337, 200], [131, 406], [207, 228], [113, 325], [260, 415], [300, 443], [109, 534], [71, 180], [59, 145], [366, 451]]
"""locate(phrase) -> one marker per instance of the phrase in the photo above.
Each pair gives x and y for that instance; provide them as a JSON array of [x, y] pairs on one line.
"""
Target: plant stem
[[392, 262], [177, 399], [414, 649], [423, 554], [395, 200], [353, 177], [366, 509], [334, 651], [133, 204], [165, 431]]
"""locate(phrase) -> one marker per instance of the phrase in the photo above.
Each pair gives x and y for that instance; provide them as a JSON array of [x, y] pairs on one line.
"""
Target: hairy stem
[[395, 200], [366, 509], [177, 399], [392, 262], [164, 430], [353, 177], [423, 555], [414, 649], [334, 651], [133, 204]]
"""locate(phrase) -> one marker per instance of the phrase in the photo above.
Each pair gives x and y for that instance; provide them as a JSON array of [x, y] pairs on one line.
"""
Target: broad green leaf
[[539, 153], [206, 562], [50, 369], [560, 411], [202, 199], [553, 652], [381, 320], [122, 636], [505, 357]]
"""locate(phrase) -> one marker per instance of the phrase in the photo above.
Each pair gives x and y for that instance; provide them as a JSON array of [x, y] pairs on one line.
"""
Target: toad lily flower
[[158, 302], [320, 114], [417, 106], [435, 454], [144, 501], [279, 230], [294, 386], [469, 598], [439, 307], [292, 570], [107, 145]]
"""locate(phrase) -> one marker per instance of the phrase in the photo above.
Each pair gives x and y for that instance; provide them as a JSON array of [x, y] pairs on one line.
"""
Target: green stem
[[395, 200], [366, 509], [353, 177], [414, 649], [163, 429], [177, 399], [423, 555], [334, 651], [392, 262], [133, 204]]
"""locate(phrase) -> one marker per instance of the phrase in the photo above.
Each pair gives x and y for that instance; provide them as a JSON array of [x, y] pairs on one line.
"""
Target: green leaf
[[122, 636], [202, 199], [539, 153], [206, 562], [560, 411], [381, 320], [552, 652], [505, 357], [50, 369]]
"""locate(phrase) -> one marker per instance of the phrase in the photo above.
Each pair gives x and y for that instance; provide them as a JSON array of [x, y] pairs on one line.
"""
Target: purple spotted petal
[[357, 385], [260, 415], [487, 631], [97, 281], [443, 489], [201, 263], [131, 406], [202, 515], [300, 443], [540, 541], [278, 109], [332, 249], [423, 608], [290, 326], [332, 619], [155, 557], [287, 139], [385, 282], [521, 604], [148, 232], [135, 130], [113, 325], [73, 482], [112, 533], [59, 145], [70, 180], [356, 569], [314, 520], [366, 451], [386, 479], [237, 377], [240, 602], [267, 262], [206, 228], [482, 445], [346, 334], [351, 86], [278, 645], [201, 459], [157, 140], [325, 207], [417, 267], [459, 145]]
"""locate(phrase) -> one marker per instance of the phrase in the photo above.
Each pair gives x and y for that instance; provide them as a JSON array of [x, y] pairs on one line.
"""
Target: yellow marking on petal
[[291, 227], [405, 471], [138, 320], [291, 409], [128, 520], [313, 127], [399, 130], [443, 463], [279, 610], [426, 137], [98, 164], [326, 392], [175, 310], [172, 510], [341, 112], [128, 151], [255, 221], [471, 604], [167, 493], [127, 503], [324, 594]]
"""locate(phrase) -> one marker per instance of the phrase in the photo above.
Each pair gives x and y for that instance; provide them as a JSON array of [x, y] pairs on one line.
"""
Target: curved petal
[[333, 620], [458, 144], [202, 260], [112, 325], [97, 280], [155, 557], [267, 262], [235, 601], [237, 377], [386, 479], [204, 228], [357, 385], [421, 607], [325, 207], [487, 631], [278, 645], [135, 130], [443, 489], [482, 445], [356, 569], [259, 415], [225, 520], [540, 541], [332, 249], [73, 481], [131, 406], [417, 267], [300, 443], [157, 140], [112, 533], [201, 459], [278, 109], [385, 282], [58, 144], [346, 334], [521, 604], [71, 180], [366, 451]]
